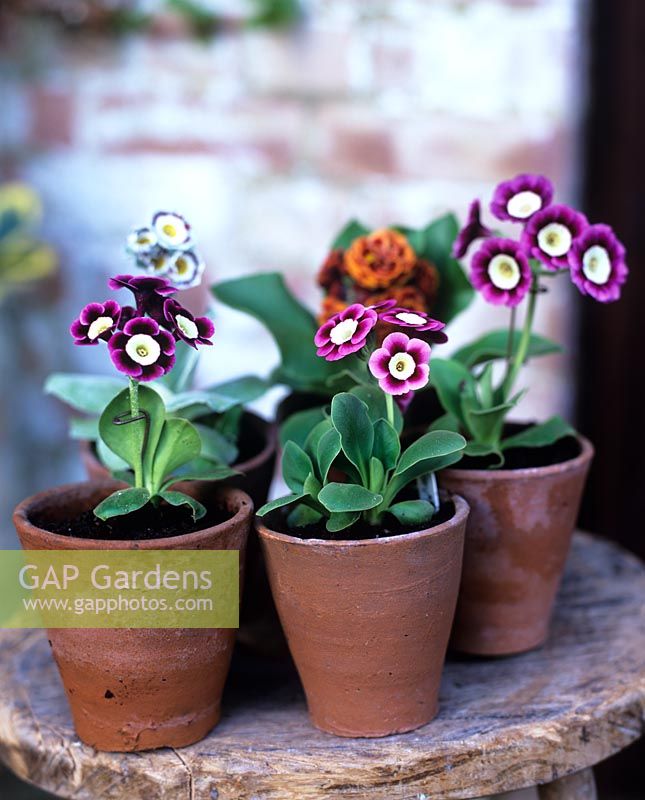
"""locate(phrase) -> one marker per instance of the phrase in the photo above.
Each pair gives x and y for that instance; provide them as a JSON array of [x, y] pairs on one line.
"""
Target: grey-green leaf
[[123, 501], [88, 393], [348, 497], [350, 418], [387, 445], [279, 502], [342, 520], [540, 435], [413, 512], [296, 466], [180, 499], [178, 444], [328, 450]]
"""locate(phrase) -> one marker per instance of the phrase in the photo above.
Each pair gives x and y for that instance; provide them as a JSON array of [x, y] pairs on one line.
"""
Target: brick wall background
[[392, 111]]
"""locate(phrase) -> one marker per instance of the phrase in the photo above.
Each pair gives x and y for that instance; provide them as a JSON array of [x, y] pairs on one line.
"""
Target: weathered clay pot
[[257, 470], [517, 541], [368, 622], [136, 689]]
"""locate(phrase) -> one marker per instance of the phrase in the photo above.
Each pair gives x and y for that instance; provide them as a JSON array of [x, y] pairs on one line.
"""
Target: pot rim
[[585, 456], [21, 518], [462, 510]]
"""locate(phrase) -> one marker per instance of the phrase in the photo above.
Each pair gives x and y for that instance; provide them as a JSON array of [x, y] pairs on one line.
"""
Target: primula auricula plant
[[361, 436], [413, 266], [166, 250], [554, 240]]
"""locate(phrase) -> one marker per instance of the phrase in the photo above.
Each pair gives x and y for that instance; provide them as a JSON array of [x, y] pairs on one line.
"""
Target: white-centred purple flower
[[401, 364], [598, 267], [521, 197]]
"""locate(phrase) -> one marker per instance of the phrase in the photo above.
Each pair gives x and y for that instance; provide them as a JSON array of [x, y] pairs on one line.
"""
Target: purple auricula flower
[[501, 271], [473, 229], [383, 305], [419, 320], [95, 322], [184, 326], [518, 199], [143, 350], [597, 260], [401, 364], [149, 293], [345, 332], [549, 234]]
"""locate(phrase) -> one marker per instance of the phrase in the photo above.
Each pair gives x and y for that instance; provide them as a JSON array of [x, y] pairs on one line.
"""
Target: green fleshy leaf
[[178, 444], [313, 440], [180, 499], [377, 475], [446, 422], [110, 459], [486, 424], [266, 297], [214, 446], [494, 345], [298, 426], [127, 439], [88, 393], [296, 466], [541, 435], [452, 381], [123, 501], [343, 497], [431, 448], [84, 428], [387, 445], [279, 502], [413, 512], [350, 418], [200, 469], [240, 391], [181, 375], [478, 450], [374, 399], [346, 236], [341, 521], [303, 515], [328, 450]]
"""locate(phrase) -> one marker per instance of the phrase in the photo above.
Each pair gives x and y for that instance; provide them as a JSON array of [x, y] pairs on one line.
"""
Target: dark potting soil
[[360, 531], [564, 449], [147, 523]]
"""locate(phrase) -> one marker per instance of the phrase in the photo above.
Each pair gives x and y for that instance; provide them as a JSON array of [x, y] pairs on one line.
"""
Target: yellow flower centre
[[187, 326], [143, 349], [596, 265], [169, 229], [343, 331], [504, 271], [401, 366], [555, 239], [99, 326], [182, 266]]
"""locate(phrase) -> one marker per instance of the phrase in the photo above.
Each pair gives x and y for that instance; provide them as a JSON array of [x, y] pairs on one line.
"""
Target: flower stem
[[389, 404], [520, 357], [134, 412]]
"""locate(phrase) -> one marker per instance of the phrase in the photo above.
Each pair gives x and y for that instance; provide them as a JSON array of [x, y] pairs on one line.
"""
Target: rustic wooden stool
[[544, 718]]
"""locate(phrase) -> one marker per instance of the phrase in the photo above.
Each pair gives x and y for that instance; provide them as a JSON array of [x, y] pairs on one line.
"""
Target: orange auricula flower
[[380, 258]]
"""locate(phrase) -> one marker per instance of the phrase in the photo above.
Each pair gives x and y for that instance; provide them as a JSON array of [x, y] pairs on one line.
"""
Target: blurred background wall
[[391, 111]]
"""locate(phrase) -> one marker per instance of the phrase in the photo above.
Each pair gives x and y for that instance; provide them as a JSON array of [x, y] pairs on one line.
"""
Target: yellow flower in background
[[23, 258]]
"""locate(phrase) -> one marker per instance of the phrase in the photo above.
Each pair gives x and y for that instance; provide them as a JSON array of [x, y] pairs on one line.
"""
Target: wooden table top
[[503, 723]]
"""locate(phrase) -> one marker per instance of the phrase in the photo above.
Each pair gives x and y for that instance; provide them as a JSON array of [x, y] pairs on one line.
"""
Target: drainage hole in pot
[[108, 695]]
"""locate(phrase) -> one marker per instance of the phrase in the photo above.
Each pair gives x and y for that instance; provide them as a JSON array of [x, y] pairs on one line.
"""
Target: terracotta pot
[[368, 622], [257, 470], [517, 541], [136, 689]]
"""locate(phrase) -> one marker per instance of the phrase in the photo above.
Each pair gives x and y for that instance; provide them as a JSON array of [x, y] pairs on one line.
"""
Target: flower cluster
[[377, 266], [141, 339], [400, 364], [165, 248], [557, 237]]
